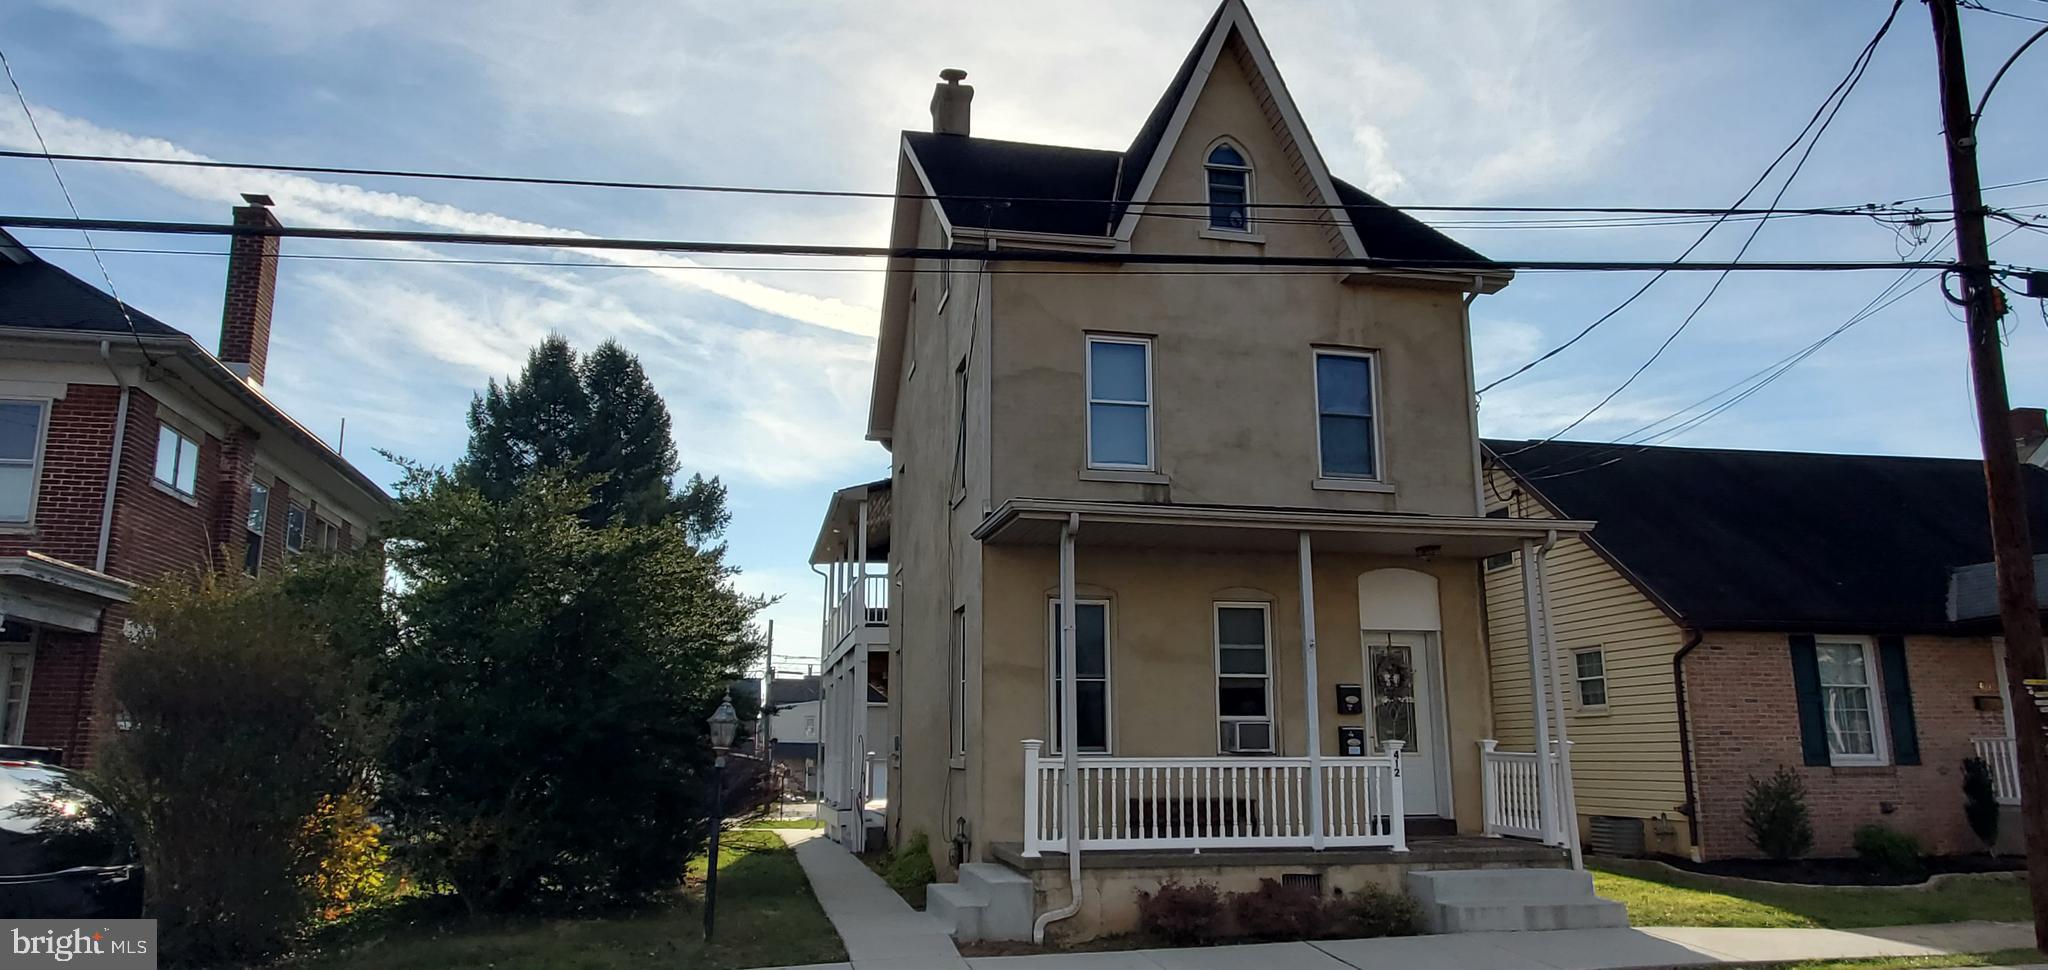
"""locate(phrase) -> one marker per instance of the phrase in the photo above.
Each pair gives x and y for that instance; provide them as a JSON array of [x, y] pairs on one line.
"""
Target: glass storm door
[[1400, 707]]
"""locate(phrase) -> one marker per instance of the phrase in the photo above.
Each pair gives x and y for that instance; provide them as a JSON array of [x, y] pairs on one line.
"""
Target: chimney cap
[[952, 75], [257, 198]]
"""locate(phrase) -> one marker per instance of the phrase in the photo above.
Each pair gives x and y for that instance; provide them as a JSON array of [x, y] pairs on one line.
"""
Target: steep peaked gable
[[1231, 33]]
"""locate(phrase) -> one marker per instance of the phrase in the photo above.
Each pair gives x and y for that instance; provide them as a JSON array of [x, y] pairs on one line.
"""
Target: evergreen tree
[[597, 416]]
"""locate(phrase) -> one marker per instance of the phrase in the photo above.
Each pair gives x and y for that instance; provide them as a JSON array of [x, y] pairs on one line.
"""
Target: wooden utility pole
[[2011, 543]]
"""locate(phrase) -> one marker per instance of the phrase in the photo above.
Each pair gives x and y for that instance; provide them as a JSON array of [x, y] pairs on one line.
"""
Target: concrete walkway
[[879, 929]]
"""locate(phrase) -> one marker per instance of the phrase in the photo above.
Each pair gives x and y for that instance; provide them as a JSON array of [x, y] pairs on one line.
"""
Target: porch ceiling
[[1026, 521]]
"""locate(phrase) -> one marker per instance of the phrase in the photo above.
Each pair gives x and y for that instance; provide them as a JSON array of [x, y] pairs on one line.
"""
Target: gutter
[[1692, 803], [113, 460]]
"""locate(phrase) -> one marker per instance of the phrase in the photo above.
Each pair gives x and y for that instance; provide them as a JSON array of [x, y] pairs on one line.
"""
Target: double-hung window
[[1244, 677], [1589, 668], [959, 672], [1091, 680], [259, 514], [177, 461], [1119, 402], [1230, 189], [21, 441], [1849, 701], [294, 527], [1347, 431]]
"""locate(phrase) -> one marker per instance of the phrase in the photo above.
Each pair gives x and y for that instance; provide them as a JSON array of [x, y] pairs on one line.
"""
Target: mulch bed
[[1844, 872]]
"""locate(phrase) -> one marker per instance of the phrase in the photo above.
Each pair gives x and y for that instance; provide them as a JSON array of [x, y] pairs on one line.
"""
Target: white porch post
[[1568, 802], [1311, 706], [1397, 811], [859, 592], [1033, 827], [1489, 789], [1532, 625]]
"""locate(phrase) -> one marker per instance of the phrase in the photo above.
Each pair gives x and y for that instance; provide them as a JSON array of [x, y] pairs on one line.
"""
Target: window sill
[[1132, 477], [1867, 769], [1352, 485], [1591, 711], [191, 500], [957, 764], [1227, 235], [17, 528]]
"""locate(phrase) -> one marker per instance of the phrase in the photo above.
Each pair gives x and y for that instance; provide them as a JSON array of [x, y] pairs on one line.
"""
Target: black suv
[[62, 851]]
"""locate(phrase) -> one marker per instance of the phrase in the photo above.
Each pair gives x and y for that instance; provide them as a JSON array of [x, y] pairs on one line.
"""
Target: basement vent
[[1311, 881], [1616, 836]]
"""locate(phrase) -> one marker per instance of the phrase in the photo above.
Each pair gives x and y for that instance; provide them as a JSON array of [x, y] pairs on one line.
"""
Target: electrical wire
[[1839, 98], [1855, 72], [69, 203]]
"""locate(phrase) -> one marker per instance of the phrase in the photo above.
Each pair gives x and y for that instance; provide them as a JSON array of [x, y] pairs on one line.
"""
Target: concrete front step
[[1493, 900], [956, 908], [1009, 895]]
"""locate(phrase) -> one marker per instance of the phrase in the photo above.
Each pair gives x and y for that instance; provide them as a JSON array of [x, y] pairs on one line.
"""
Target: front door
[[1401, 693]]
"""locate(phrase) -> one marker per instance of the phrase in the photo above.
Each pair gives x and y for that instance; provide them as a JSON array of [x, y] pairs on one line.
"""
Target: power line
[[69, 203], [1847, 210], [985, 255], [1839, 97]]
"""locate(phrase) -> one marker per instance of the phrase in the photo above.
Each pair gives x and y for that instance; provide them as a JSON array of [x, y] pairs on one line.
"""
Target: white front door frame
[[1406, 601], [1430, 751]]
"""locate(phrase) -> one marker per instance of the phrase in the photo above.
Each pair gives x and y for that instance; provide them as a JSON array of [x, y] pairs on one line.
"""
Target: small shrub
[[1774, 811], [1371, 912], [1980, 801], [345, 865], [1181, 914], [910, 867], [1277, 911], [1888, 850]]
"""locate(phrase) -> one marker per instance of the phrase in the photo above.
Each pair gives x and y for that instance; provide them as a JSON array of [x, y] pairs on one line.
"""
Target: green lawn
[[1676, 901], [1996, 958], [786, 823], [766, 917]]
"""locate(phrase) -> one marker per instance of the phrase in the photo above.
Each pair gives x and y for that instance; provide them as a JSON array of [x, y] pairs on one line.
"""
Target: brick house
[[128, 451], [1738, 611]]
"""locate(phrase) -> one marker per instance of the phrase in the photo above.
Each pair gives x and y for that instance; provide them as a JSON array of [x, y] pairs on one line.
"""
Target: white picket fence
[[1213, 803], [1509, 784], [2004, 759]]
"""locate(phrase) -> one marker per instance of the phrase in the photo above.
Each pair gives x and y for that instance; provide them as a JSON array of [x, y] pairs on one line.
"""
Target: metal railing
[[2004, 758], [1214, 803], [1509, 784]]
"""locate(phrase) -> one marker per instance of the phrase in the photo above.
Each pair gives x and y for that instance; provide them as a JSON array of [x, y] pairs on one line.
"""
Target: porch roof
[[842, 518], [1036, 521]]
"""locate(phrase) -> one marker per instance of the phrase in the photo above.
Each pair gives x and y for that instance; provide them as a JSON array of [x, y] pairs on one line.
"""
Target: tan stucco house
[[1242, 506], [1740, 611]]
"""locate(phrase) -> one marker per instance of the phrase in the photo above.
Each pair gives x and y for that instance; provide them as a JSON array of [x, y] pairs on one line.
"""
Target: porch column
[[1311, 706], [1532, 626], [864, 773], [1568, 807]]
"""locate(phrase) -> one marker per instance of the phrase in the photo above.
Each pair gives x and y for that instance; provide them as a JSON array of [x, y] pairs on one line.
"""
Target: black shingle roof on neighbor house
[[966, 170], [1774, 540], [36, 295], [792, 690]]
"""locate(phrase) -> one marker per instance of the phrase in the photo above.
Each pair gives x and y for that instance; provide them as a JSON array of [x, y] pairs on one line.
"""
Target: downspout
[[1567, 797], [99, 561], [1070, 749], [1472, 418], [1692, 802]]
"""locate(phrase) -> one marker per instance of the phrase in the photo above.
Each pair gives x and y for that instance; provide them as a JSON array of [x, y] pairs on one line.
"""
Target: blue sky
[[1536, 102]]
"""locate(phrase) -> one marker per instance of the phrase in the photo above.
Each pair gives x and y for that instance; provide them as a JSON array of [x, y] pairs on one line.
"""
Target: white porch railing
[[864, 601], [1213, 803], [1509, 784], [2004, 760]]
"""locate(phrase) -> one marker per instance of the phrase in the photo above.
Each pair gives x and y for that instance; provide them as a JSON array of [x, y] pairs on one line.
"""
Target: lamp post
[[724, 724]]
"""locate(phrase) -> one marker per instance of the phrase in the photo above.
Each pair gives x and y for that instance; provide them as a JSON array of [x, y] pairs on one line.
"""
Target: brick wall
[[155, 530], [1745, 722], [73, 485]]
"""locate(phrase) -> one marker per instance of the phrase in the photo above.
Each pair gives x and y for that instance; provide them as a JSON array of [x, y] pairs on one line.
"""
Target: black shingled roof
[[38, 296], [1774, 540]]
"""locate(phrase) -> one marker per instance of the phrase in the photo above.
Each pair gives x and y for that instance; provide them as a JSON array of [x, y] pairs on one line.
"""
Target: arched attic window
[[1230, 188]]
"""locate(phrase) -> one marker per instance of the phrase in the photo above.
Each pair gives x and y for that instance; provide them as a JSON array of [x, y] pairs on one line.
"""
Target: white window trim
[[1379, 451], [35, 458], [198, 452], [1090, 400], [1880, 735], [1579, 681], [1052, 692], [1250, 232], [1272, 717]]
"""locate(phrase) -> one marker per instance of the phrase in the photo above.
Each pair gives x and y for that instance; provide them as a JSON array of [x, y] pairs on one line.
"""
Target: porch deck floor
[[1436, 850]]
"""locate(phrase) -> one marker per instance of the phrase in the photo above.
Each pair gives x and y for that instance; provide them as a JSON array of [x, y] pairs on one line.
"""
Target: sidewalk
[[879, 929]]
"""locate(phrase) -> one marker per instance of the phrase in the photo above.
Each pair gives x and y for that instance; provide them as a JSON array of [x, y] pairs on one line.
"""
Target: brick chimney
[[2030, 434], [252, 289], [951, 103]]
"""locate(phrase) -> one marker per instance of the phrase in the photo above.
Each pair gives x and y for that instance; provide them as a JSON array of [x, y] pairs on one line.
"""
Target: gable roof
[[792, 690], [1776, 540]]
